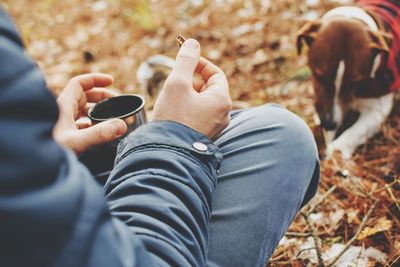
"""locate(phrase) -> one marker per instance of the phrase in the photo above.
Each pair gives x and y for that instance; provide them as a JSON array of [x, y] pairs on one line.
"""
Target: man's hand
[[80, 94], [201, 102]]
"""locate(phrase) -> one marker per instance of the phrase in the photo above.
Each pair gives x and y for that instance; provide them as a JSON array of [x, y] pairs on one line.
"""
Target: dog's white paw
[[346, 150]]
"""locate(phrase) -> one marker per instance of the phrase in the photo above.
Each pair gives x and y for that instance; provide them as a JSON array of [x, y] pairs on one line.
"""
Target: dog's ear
[[380, 41], [307, 33]]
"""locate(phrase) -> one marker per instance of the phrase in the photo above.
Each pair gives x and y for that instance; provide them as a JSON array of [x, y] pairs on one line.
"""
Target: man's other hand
[[81, 93], [195, 94]]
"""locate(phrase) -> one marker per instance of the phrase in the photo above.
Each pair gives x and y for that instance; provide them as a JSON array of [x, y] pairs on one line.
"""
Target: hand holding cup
[[82, 93]]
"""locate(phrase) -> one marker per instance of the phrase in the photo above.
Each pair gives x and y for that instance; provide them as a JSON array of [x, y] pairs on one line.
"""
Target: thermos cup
[[130, 108]]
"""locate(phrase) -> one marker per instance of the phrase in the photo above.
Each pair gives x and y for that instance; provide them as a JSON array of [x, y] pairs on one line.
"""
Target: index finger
[[98, 94], [206, 69], [91, 80], [84, 82], [74, 92], [212, 75]]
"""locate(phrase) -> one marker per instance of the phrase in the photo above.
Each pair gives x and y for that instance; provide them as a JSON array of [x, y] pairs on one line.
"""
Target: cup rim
[[119, 117]]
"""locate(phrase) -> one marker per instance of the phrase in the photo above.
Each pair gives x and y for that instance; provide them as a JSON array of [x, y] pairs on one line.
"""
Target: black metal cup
[[130, 108]]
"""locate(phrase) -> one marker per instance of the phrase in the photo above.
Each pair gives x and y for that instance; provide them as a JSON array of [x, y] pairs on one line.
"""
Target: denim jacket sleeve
[[162, 187], [53, 213]]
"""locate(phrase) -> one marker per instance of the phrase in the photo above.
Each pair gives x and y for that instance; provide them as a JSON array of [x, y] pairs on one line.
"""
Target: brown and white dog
[[349, 56]]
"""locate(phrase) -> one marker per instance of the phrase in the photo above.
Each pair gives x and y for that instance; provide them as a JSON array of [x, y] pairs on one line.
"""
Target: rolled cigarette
[[180, 39]]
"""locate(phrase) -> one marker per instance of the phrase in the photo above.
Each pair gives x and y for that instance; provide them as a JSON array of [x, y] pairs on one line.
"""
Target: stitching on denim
[[182, 152], [148, 146]]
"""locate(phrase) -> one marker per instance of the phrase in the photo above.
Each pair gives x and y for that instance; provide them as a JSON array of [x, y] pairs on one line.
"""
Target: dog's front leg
[[373, 112]]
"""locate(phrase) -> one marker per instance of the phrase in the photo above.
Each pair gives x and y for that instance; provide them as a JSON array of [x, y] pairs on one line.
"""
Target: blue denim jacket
[[153, 211]]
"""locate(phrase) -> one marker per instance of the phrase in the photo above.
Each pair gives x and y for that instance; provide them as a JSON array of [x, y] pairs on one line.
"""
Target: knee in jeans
[[292, 130], [280, 126], [284, 139], [300, 144]]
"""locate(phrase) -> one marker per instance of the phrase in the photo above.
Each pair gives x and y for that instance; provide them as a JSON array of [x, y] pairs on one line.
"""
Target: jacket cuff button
[[200, 146]]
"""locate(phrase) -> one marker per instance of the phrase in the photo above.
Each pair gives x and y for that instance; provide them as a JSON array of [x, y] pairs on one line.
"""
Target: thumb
[[100, 133], [187, 60]]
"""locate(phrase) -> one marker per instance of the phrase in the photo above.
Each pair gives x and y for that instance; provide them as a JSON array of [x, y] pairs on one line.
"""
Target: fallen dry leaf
[[381, 225]]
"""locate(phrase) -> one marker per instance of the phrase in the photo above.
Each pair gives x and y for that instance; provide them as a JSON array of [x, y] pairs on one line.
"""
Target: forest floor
[[357, 207]]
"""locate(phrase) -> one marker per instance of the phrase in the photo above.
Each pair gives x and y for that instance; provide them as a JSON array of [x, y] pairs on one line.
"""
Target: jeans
[[270, 170]]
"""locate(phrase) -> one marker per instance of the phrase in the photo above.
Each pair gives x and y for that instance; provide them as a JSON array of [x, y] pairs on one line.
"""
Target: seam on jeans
[[181, 152], [165, 241]]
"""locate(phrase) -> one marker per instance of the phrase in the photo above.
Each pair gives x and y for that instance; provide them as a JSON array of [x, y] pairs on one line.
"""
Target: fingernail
[[119, 127], [191, 43]]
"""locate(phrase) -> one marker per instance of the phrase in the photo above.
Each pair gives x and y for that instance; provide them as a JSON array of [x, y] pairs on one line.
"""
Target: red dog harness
[[389, 11]]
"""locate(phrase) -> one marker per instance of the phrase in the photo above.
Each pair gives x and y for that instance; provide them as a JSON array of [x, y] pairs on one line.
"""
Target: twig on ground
[[383, 188], [294, 234], [392, 260], [335, 164], [283, 263], [354, 238], [311, 227], [392, 196], [315, 238], [302, 250], [359, 254], [324, 196], [277, 258]]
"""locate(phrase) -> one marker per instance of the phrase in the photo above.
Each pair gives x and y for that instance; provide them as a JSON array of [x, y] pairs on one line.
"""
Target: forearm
[[162, 188]]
